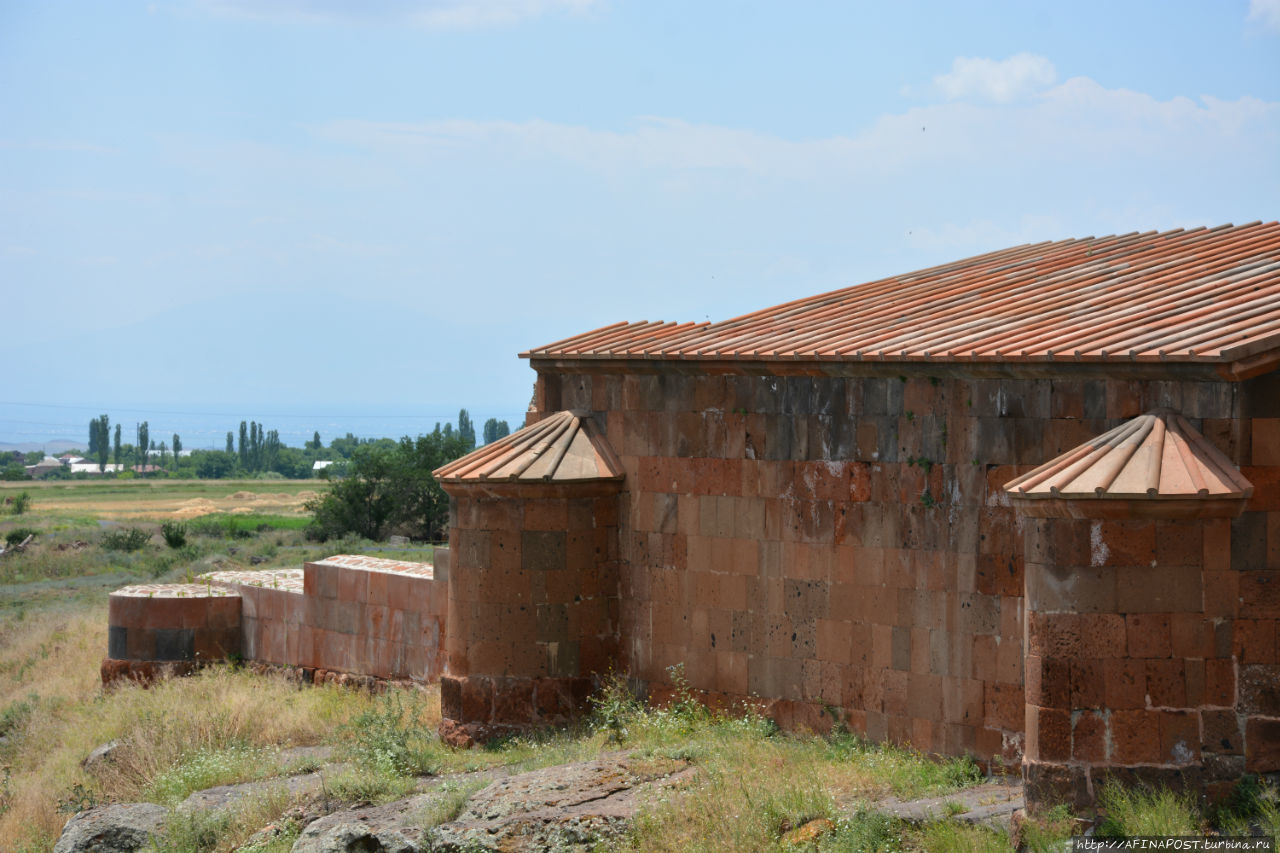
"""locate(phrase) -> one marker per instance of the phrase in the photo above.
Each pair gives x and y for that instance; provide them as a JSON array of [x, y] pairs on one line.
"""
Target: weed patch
[[1135, 811], [174, 533], [125, 539], [950, 837], [369, 785], [397, 736], [207, 768], [17, 534]]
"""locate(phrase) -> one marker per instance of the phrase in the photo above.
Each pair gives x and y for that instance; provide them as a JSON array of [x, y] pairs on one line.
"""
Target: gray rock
[[351, 838], [101, 755], [569, 807], [226, 797], [120, 828], [992, 804], [392, 828]]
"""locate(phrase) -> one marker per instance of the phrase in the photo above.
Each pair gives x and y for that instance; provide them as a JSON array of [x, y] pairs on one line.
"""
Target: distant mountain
[[53, 448], [282, 347]]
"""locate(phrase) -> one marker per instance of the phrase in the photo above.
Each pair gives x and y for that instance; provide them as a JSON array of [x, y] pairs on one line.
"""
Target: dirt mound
[[244, 496]]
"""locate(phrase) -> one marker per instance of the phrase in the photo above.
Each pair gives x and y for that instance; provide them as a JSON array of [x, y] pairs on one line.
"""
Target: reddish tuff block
[[1089, 736], [1179, 737], [1125, 683], [1148, 635], [1135, 737], [1048, 734]]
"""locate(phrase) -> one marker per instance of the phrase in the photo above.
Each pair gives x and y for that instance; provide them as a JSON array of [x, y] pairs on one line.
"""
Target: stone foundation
[[480, 708]]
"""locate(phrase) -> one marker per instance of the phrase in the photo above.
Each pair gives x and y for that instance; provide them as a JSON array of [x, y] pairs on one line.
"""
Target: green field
[[162, 500]]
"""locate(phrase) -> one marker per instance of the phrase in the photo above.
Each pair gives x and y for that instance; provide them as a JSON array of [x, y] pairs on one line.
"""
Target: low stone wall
[[378, 617], [173, 622], [272, 623], [346, 614]]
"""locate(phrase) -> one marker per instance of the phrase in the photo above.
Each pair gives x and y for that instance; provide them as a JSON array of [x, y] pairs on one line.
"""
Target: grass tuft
[[397, 735], [951, 837], [1133, 812]]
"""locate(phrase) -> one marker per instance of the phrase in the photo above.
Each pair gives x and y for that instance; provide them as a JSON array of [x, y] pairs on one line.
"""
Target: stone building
[[1024, 506]]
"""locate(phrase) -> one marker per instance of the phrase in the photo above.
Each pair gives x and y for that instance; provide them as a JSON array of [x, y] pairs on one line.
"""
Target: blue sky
[[381, 203]]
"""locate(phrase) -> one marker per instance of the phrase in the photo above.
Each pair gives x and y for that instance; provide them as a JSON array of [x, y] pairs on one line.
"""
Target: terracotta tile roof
[[560, 448], [1156, 456], [1200, 295]]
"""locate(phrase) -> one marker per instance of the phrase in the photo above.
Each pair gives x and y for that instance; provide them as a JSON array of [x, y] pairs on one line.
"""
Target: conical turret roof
[[1156, 456], [562, 448]]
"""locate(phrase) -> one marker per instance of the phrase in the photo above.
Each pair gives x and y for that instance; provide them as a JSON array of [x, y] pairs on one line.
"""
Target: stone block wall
[[273, 612], [375, 617], [1131, 666], [533, 602], [839, 545]]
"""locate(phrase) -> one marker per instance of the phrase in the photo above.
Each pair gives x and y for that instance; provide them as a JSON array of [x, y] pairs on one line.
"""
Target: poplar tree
[[466, 431], [144, 442], [495, 429], [103, 441]]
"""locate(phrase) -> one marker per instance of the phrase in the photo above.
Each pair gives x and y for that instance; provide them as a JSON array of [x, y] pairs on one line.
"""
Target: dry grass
[[160, 730]]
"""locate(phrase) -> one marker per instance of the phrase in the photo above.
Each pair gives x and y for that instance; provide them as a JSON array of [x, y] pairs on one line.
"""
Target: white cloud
[[1267, 12], [960, 176], [1075, 119], [1001, 80], [429, 14]]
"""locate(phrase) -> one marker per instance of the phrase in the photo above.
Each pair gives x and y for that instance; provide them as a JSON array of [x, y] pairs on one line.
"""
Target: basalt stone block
[[117, 642], [1249, 541], [1188, 778], [1262, 745], [472, 548], [1048, 785], [174, 644]]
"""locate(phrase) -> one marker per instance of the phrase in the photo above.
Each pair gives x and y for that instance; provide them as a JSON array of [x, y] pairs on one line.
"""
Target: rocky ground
[[568, 807]]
